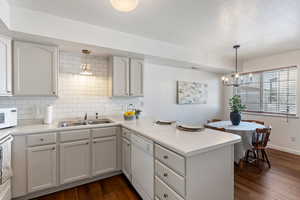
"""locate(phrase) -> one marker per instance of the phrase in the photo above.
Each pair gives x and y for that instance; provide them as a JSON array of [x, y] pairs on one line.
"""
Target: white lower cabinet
[[104, 155], [126, 157], [41, 167], [74, 161]]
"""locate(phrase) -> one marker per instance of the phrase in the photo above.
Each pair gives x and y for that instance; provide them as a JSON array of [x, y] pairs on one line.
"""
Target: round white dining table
[[245, 130]]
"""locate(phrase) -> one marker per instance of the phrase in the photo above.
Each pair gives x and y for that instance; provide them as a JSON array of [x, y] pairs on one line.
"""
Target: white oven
[[5, 168], [8, 117]]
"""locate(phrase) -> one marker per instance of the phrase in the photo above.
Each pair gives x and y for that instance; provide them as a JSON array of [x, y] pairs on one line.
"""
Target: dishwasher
[[142, 165]]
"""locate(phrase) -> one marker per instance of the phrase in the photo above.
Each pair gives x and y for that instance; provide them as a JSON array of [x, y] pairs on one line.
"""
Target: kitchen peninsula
[[185, 165]]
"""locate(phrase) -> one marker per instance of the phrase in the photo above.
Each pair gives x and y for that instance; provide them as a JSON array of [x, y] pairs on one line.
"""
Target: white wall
[[88, 94], [285, 136], [160, 94]]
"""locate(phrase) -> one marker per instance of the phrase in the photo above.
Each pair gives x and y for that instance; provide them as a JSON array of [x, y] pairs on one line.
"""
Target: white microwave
[[8, 117]]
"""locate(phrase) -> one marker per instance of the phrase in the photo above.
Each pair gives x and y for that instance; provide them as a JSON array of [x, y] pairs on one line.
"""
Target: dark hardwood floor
[[281, 182], [114, 188]]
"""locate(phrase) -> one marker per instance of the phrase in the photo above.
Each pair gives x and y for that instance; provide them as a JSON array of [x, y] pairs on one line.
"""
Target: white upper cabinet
[[125, 76], [35, 69], [5, 66], [136, 77], [119, 75]]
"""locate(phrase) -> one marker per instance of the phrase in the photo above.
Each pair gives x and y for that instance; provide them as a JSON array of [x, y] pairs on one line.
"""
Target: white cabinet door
[[126, 158], [74, 161], [41, 167], [104, 155], [5, 67], [120, 76], [35, 69], [136, 77]]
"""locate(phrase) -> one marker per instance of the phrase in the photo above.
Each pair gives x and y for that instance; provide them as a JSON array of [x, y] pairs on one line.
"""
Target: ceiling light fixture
[[235, 78], [124, 5], [85, 66]]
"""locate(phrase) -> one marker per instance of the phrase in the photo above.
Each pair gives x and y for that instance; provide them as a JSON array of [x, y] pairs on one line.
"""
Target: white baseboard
[[285, 149]]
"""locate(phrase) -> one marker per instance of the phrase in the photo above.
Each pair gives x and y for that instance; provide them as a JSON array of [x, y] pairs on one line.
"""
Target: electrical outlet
[[293, 139]]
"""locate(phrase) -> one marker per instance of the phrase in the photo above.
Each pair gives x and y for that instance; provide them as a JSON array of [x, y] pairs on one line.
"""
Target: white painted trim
[[285, 149]]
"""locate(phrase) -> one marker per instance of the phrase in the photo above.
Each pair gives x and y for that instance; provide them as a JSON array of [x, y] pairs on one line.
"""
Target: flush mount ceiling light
[[124, 5], [85, 66]]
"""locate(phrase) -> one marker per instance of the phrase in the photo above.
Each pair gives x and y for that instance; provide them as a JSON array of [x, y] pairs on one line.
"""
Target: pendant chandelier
[[85, 66], [235, 79]]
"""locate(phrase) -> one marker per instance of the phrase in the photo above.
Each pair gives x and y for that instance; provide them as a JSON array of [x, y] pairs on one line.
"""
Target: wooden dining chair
[[213, 120], [260, 140], [254, 121], [215, 128]]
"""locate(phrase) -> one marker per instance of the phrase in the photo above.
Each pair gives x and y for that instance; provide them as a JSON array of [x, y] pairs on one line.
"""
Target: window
[[272, 91]]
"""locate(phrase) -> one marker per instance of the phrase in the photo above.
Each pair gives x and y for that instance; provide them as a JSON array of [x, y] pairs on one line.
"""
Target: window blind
[[272, 91]]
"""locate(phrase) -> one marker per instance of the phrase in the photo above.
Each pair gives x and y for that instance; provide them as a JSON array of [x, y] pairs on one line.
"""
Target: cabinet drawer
[[74, 135], [103, 132], [171, 159], [171, 178], [162, 191], [126, 133], [41, 139]]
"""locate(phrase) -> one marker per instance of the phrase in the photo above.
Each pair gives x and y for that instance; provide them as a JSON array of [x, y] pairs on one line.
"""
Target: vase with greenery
[[236, 108]]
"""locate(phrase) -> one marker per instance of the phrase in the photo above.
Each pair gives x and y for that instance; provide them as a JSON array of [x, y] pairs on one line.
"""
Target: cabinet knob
[[166, 157], [53, 148], [165, 196], [87, 143], [53, 92], [165, 175], [41, 139], [8, 91]]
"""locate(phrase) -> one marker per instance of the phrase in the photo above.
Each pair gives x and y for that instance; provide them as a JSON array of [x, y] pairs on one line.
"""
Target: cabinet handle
[[41, 139], [165, 175], [8, 91], [165, 196], [166, 157], [128, 144]]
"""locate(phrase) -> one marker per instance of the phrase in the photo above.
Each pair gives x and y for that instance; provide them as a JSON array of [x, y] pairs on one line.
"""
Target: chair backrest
[[255, 121], [213, 120], [215, 128], [261, 137]]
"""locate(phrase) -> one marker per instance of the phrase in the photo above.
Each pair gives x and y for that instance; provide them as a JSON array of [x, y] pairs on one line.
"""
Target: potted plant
[[236, 108]]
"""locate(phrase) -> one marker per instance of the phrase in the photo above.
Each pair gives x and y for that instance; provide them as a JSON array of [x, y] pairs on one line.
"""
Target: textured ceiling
[[262, 27]]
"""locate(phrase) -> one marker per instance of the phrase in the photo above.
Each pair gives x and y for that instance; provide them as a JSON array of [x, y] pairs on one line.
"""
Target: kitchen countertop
[[184, 143]]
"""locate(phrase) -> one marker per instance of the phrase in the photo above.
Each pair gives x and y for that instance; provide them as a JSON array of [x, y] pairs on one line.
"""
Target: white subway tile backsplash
[[77, 94]]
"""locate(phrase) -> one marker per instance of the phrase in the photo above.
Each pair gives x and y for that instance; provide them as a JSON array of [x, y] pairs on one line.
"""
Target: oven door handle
[[7, 139]]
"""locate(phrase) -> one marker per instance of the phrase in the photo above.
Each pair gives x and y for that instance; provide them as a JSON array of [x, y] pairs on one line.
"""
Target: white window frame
[[276, 114]]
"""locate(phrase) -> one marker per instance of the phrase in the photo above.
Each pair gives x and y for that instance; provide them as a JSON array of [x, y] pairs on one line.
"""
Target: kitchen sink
[[82, 123]]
